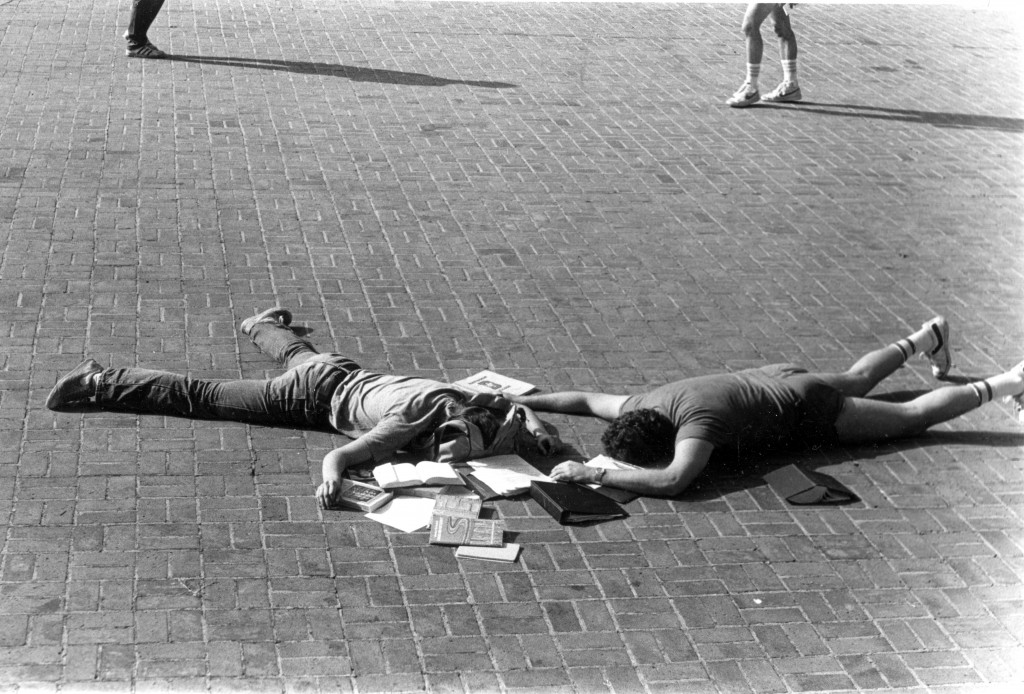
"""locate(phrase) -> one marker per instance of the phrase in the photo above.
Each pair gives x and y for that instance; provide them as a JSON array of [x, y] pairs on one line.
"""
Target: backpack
[[457, 441]]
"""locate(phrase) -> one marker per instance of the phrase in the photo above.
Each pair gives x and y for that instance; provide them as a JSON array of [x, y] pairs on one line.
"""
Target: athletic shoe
[[147, 50], [271, 315], [75, 390], [1018, 400], [787, 91], [939, 357], [744, 96]]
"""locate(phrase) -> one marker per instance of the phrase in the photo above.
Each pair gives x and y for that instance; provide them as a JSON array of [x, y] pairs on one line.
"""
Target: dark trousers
[[141, 18], [300, 397]]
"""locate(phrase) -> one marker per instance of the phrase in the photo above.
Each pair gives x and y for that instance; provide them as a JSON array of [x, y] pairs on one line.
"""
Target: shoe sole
[[784, 99], [940, 328], [744, 103], [280, 315]]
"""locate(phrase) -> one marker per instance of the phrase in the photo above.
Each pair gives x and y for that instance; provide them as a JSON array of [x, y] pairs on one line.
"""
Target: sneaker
[[787, 91], [1018, 400], [146, 50], [744, 96], [75, 390], [939, 357], [277, 314]]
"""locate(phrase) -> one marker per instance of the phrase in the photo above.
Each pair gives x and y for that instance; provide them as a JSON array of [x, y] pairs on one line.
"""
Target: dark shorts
[[819, 404]]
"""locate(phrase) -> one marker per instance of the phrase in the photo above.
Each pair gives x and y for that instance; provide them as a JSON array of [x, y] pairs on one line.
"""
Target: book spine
[[547, 503]]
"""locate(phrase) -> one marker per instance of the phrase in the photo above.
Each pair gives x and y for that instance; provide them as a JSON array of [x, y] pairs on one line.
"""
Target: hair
[[480, 417], [640, 437]]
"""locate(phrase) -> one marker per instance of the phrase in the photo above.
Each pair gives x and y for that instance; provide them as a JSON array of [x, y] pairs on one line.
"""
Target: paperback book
[[362, 496], [490, 382], [479, 532]]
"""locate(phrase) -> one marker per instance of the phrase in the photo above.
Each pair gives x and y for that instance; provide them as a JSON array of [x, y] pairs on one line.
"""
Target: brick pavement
[[551, 190]]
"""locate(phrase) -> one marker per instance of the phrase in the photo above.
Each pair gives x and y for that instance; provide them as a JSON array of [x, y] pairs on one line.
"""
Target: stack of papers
[[507, 475]]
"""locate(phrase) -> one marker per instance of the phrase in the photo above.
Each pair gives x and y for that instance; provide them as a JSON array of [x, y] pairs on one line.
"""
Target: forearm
[[567, 402], [653, 482], [337, 461], [533, 423]]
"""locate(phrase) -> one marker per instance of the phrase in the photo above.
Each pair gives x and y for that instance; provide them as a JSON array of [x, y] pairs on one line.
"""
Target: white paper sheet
[[406, 513]]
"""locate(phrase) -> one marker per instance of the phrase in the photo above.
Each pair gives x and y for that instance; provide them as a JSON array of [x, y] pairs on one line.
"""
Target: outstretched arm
[[547, 443], [334, 465], [690, 458], [574, 402]]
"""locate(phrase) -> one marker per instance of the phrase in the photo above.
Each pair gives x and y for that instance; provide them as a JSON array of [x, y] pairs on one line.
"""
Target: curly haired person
[[672, 431]]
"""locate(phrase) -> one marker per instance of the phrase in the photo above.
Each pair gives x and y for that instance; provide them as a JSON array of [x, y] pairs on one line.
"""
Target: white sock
[[789, 71], [753, 72], [923, 341]]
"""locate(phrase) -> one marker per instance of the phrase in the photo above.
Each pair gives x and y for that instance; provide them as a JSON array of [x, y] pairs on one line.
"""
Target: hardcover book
[[572, 503]]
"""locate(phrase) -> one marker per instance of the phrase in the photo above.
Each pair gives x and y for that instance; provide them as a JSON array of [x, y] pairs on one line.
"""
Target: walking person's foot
[[786, 91], [939, 355], [277, 314], [146, 50], [746, 95], [75, 390]]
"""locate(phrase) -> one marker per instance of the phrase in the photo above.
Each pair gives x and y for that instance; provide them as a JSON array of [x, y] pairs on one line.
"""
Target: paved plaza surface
[[553, 191]]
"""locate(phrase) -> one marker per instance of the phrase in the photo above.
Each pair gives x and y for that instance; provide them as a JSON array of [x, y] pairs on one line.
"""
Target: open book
[[395, 476], [490, 382]]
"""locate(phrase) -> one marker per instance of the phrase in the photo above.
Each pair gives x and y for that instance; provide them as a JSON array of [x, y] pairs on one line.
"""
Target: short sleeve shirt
[[387, 413], [749, 411]]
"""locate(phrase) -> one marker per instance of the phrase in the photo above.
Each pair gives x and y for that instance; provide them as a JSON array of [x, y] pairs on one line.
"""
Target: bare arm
[[547, 443], [334, 466], [574, 402], [690, 458]]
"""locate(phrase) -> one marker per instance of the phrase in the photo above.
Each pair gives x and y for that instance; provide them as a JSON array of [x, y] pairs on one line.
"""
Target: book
[[490, 382], [362, 496], [480, 532], [508, 553], [502, 475], [573, 503], [458, 505], [396, 475]]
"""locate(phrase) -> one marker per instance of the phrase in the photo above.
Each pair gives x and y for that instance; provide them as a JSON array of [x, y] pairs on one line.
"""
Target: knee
[[913, 419], [784, 32], [749, 29]]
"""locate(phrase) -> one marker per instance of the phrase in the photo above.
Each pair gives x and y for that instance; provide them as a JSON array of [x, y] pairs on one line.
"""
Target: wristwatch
[[600, 475]]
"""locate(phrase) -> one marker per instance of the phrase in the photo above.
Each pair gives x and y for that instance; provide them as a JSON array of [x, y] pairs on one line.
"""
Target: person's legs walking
[[142, 16], [754, 16], [789, 88]]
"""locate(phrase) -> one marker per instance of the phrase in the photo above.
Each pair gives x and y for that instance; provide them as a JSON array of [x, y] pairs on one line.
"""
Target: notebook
[[572, 503]]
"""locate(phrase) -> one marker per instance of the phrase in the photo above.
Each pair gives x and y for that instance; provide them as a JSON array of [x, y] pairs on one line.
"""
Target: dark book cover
[[571, 503], [807, 487]]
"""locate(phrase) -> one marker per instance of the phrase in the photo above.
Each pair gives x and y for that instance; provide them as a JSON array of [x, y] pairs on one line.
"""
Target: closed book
[[362, 496], [572, 503], [508, 553], [458, 505], [480, 532]]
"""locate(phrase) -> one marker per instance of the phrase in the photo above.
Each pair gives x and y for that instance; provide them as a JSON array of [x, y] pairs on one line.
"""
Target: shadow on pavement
[[939, 119], [355, 74]]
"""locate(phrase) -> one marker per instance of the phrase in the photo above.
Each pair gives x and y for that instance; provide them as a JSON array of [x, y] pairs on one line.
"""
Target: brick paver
[[555, 191]]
